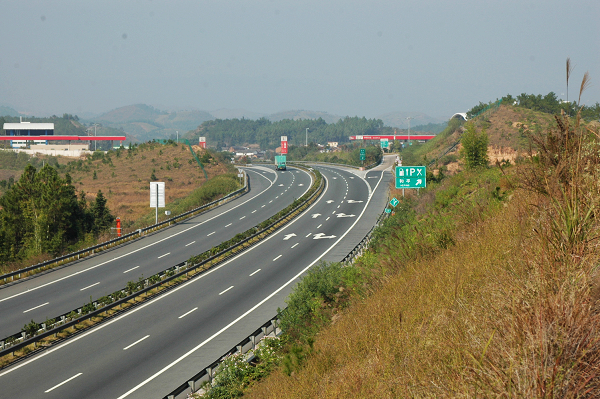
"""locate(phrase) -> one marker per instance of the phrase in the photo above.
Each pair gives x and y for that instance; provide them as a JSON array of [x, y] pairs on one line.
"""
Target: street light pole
[[408, 119], [177, 136], [306, 140]]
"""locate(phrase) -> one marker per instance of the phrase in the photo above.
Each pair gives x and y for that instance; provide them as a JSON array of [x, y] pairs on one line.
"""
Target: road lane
[[144, 257], [176, 345]]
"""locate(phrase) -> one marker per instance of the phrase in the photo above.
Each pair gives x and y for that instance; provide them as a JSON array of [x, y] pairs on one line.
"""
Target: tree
[[474, 147], [102, 216]]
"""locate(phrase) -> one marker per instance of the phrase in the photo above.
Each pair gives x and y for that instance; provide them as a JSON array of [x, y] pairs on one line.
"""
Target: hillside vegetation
[[124, 176], [69, 204], [484, 285]]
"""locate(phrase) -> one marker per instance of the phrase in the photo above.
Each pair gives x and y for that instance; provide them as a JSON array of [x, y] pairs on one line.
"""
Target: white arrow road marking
[[322, 235], [64, 382], [136, 342], [343, 215], [288, 236], [315, 215], [329, 201], [353, 202], [39, 306]]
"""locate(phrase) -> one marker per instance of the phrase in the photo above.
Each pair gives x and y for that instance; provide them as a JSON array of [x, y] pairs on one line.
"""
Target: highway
[[63, 290], [150, 350]]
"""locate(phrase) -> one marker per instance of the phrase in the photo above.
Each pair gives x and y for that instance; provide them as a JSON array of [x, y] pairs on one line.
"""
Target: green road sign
[[363, 154], [384, 143], [410, 177], [388, 210], [394, 202]]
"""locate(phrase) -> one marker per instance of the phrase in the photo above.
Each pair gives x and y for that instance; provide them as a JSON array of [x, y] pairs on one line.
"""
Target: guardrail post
[[253, 340], [239, 348], [1, 345], [209, 371], [192, 385]]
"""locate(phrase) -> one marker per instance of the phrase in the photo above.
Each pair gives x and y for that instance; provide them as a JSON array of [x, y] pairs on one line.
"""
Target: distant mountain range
[[141, 122]]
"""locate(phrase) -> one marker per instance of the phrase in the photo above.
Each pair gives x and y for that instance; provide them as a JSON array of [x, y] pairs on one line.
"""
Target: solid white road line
[[222, 292], [253, 273], [277, 258], [89, 286], [295, 244], [162, 256], [39, 306], [136, 342], [64, 382], [210, 234], [187, 313], [128, 270], [187, 245]]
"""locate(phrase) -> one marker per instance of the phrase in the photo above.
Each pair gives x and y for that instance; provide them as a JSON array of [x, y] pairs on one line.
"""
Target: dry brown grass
[[125, 183], [512, 310]]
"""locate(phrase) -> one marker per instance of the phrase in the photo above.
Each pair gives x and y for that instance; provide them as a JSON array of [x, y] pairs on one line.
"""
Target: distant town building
[[28, 129]]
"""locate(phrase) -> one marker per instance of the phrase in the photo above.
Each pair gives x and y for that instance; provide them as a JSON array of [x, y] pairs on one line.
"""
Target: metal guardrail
[[270, 327], [117, 241], [20, 340], [244, 346]]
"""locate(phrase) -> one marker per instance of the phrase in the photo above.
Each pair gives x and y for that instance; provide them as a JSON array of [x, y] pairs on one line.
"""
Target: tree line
[[42, 214], [232, 132], [549, 103]]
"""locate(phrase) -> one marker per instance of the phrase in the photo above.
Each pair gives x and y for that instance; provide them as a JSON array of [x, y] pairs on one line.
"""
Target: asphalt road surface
[[60, 291], [152, 349]]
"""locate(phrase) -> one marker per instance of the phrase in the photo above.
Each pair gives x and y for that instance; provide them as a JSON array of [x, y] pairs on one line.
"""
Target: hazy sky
[[348, 57]]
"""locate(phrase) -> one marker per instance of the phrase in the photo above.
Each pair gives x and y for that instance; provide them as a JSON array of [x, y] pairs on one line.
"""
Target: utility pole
[[408, 119], [177, 136], [95, 124], [306, 140]]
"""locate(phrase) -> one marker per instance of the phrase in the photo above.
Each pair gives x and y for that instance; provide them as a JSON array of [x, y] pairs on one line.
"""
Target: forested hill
[[228, 132]]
